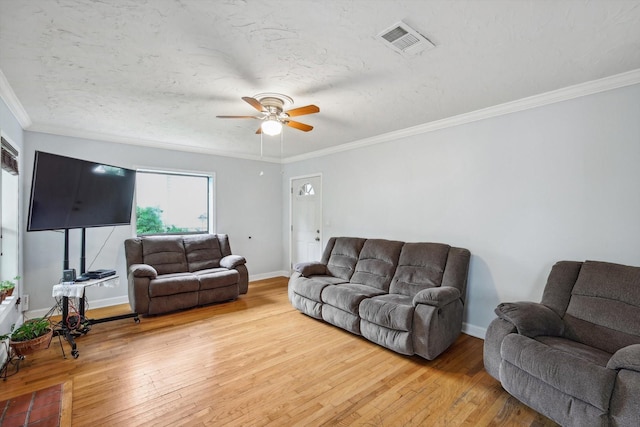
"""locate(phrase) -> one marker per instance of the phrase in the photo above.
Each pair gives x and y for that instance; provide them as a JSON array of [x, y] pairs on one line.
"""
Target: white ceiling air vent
[[404, 39]]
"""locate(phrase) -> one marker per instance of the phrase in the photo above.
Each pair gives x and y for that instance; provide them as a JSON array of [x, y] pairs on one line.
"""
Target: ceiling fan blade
[[237, 117], [298, 125], [259, 131], [254, 103], [301, 111]]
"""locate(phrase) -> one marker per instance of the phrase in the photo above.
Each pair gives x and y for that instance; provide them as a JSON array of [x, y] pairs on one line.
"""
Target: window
[[306, 190], [173, 203], [10, 233]]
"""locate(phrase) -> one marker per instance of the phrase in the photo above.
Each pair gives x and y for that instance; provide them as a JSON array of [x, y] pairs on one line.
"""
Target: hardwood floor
[[259, 362]]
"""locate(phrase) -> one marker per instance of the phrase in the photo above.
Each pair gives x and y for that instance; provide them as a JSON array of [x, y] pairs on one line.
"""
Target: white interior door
[[306, 219]]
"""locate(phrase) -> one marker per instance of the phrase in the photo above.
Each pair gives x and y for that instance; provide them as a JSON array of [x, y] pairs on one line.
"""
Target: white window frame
[[167, 171]]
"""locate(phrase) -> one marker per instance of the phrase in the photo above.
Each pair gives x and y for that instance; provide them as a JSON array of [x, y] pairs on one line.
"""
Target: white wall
[[520, 191], [247, 204]]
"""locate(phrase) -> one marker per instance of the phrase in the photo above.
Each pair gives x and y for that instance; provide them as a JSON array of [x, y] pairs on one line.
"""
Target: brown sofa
[[575, 356], [168, 273], [407, 297]]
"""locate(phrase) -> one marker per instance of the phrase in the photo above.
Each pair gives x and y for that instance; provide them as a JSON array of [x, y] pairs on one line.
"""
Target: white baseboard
[[271, 275], [97, 303], [474, 331]]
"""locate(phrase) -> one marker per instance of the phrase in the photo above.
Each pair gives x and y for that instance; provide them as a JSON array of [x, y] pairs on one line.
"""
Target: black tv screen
[[72, 193]]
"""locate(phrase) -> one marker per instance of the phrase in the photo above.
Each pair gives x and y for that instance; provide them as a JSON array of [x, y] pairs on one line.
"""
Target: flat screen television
[[71, 193]]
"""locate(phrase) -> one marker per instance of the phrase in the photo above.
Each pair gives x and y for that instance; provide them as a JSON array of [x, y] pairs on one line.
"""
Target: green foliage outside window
[[149, 221]]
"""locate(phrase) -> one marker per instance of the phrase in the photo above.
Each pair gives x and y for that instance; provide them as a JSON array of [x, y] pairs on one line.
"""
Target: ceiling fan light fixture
[[273, 114], [271, 127]]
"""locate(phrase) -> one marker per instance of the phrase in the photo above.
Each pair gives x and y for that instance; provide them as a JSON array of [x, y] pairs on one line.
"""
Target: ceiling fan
[[273, 114]]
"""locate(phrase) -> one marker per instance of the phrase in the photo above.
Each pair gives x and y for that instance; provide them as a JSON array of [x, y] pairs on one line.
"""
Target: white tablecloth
[[76, 289]]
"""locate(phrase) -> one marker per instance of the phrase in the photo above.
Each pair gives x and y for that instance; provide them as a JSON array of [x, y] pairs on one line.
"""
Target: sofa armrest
[[232, 261], [143, 270], [310, 268], [531, 319], [437, 297], [626, 358]]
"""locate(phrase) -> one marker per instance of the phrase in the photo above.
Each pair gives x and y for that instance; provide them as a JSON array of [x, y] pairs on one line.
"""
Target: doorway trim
[[290, 227]]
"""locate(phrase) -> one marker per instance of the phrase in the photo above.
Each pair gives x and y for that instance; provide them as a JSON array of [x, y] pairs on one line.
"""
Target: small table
[[81, 325]]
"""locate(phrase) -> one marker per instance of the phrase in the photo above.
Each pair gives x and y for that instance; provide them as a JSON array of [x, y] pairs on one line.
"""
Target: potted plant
[[32, 335], [7, 287]]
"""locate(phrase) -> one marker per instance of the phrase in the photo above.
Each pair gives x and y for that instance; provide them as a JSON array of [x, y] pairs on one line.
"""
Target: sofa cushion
[[165, 254], [392, 311], [605, 306], [173, 283], [377, 263], [202, 251], [420, 266], [311, 288], [216, 278], [344, 256], [580, 351], [347, 296], [573, 368], [564, 409]]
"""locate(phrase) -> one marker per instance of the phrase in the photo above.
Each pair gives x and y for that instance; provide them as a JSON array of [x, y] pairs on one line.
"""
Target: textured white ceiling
[[159, 71]]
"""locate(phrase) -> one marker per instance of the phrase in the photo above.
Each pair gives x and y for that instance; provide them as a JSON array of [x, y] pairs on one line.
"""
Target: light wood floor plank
[[259, 362]]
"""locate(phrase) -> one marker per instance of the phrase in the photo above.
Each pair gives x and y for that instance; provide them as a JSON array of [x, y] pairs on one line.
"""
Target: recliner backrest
[[377, 263], [225, 246], [456, 271], [341, 256], [164, 253], [133, 251], [203, 251], [178, 253], [421, 266], [604, 306]]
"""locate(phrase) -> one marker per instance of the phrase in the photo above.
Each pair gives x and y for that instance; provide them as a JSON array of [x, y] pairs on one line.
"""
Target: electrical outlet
[[25, 302]]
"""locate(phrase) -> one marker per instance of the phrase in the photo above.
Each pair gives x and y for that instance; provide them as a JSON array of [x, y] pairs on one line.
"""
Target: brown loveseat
[[574, 357], [168, 273], [407, 297]]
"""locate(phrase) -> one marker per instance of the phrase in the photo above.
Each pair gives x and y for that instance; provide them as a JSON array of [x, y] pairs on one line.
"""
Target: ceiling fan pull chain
[[260, 144]]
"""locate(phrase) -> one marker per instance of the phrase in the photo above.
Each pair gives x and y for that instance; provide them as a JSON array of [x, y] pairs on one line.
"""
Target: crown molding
[[570, 92], [13, 103]]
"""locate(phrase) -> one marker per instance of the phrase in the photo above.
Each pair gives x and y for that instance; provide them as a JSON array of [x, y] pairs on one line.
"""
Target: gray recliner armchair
[[575, 356]]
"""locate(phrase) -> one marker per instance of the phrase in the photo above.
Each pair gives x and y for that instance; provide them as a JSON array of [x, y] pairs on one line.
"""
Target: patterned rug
[[48, 407]]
